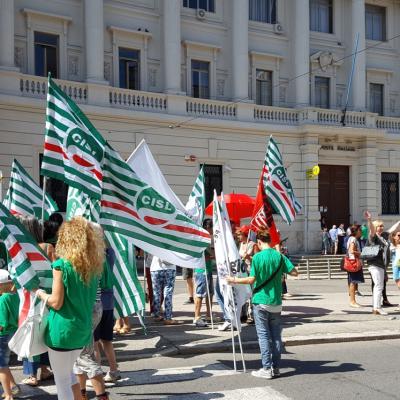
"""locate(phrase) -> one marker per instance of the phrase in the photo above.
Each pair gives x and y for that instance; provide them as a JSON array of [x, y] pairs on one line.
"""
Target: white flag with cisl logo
[[228, 263], [146, 168]]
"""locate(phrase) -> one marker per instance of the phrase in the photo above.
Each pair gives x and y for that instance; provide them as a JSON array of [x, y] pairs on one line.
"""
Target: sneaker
[[15, 391], [189, 301], [276, 372], [225, 326], [262, 373], [200, 323], [112, 376], [379, 312]]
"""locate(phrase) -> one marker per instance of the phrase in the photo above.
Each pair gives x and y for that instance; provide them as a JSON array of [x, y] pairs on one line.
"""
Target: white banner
[[146, 168], [228, 262]]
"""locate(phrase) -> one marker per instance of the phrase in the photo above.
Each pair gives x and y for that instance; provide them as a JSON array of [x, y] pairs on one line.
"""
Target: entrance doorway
[[333, 194]]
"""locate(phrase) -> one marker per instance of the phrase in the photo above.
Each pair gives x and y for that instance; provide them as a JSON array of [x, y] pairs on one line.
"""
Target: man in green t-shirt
[[267, 268]]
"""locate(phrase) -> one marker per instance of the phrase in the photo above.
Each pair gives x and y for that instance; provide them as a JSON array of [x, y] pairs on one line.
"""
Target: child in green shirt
[[9, 308]]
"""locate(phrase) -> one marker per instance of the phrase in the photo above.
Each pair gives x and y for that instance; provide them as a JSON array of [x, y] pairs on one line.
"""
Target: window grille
[[390, 193], [212, 180], [208, 5]]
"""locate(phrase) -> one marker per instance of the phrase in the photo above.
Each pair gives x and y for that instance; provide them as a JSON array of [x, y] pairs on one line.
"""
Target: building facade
[[207, 82]]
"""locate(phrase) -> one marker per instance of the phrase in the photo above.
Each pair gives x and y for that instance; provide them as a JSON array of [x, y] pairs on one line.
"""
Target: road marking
[[254, 393], [176, 375]]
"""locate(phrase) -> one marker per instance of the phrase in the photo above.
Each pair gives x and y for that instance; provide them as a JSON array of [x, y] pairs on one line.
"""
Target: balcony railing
[[276, 115], [211, 108], [36, 87], [138, 100]]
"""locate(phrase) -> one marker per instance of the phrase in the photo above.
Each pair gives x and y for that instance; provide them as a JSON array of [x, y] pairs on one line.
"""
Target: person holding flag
[[266, 272]]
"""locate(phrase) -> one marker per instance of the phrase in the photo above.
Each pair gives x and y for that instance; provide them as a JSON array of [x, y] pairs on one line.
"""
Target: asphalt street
[[359, 370]]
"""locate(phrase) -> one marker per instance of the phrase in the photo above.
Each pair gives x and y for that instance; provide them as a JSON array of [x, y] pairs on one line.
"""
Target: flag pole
[[230, 292], [343, 121], [43, 202], [237, 321], [209, 300]]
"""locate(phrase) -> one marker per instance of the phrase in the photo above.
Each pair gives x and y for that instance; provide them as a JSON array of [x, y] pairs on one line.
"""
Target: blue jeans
[[220, 300], [268, 327], [163, 282]]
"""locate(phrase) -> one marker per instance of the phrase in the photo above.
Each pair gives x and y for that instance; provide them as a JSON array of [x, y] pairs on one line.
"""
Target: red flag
[[262, 215]]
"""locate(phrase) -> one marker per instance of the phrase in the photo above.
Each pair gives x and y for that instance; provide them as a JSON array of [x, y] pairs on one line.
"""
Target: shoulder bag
[[352, 265], [370, 252], [28, 340], [259, 287]]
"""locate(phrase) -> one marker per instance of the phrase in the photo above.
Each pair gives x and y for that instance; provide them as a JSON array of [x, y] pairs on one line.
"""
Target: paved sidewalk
[[318, 312]]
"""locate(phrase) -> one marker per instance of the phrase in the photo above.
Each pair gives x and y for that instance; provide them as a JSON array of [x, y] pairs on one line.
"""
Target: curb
[[218, 347]]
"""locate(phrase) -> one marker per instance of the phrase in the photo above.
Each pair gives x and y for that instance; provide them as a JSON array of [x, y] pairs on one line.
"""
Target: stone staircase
[[313, 266]]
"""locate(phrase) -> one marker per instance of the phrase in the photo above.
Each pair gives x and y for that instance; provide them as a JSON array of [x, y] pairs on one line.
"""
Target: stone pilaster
[[94, 40], [358, 102], [240, 49], [171, 20], [300, 42], [309, 156], [7, 34]]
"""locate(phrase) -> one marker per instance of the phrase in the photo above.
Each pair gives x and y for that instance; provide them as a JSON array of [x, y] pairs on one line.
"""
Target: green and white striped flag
[[128, 293], [197, 200], [277, 185], [24, 196], [29, 267], [76, 153]]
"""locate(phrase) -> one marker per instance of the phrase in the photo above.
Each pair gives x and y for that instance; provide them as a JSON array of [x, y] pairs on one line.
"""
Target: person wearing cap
[[9, 307]]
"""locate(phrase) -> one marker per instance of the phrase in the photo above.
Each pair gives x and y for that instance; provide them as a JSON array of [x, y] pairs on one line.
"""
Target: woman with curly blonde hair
[[80, 252]]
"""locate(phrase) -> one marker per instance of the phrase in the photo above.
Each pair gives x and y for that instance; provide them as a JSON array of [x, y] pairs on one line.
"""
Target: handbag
[[28, 340], [352, 265], [370, 252]]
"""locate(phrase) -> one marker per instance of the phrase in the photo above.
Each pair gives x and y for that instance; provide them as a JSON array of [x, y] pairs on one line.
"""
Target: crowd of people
[[80, 323], [387, 245], [334, 240]]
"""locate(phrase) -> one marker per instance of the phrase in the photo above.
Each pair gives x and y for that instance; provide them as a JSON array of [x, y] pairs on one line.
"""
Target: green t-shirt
[[70, 327], [106, 279], [209, 262], [263, 265], [9, 311], [364, 232]]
